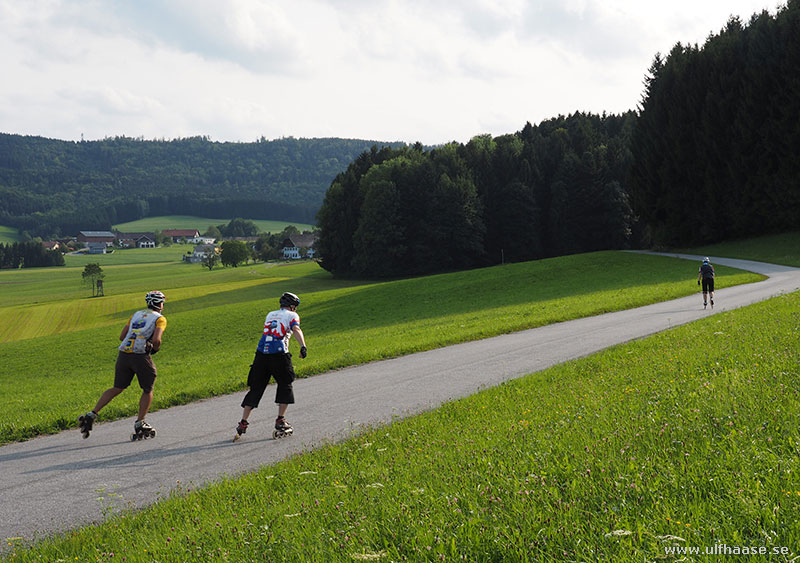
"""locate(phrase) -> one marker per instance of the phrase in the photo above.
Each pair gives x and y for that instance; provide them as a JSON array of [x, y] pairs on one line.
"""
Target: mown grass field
[[149, 224], [689, 438], [215, 319], [128, 256]]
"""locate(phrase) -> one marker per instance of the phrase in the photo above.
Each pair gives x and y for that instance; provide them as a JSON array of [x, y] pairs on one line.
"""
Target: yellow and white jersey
[[140, 328]]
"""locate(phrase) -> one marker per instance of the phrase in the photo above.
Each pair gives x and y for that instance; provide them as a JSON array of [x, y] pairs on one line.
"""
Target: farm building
[[87, 237], [189, 235], [201, 251], [137, 240], [292, 245]]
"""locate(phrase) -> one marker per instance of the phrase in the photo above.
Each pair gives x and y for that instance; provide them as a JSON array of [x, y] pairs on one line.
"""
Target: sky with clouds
[[389, 70]]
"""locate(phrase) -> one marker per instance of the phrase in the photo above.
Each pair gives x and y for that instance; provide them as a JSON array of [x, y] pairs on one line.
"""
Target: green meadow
[[9, 235], [53, 333], [149, 224], [776, 249], [683, 440]]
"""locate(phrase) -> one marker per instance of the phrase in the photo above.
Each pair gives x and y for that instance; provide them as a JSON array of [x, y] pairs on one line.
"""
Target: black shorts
[[140, 365], [263, 368], [708, 285]]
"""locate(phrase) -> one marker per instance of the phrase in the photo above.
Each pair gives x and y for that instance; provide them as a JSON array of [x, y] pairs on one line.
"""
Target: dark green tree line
[[28, 255], [550, 189], [715, 146]]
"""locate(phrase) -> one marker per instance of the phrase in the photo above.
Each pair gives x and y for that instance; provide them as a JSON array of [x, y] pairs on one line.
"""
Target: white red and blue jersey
[[277, 331]]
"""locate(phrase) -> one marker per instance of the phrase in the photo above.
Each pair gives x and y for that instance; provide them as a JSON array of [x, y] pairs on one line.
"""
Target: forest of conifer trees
[[711, 154], [715, 148]]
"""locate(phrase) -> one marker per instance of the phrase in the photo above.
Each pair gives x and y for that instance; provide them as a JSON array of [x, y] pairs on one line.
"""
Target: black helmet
[[289, 300]]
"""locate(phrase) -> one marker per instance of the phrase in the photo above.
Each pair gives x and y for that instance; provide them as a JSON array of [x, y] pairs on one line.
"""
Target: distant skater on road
[[273, 359], [705, 276], [141, 338]]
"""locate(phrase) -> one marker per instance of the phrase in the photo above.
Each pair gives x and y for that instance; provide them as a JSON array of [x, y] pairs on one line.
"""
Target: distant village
[[293, 247]]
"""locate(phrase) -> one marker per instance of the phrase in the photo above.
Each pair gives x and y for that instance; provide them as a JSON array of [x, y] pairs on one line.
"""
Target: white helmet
[[705, 260], [155, 299]]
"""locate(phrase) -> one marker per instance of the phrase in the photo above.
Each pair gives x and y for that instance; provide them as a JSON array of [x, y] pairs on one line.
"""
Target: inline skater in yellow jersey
[[141, 338], [273, 359]]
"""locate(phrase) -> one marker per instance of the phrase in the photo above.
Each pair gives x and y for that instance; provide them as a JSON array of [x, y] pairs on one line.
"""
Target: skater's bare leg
[[246, 412], [106, 397], [282, 409], [144, 404]]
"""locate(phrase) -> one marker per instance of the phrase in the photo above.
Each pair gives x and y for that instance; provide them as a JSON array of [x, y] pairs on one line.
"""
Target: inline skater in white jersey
[[273, 359], [141, 338]]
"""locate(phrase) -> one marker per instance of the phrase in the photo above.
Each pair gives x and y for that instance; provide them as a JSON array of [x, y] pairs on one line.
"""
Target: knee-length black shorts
[[264, 367], [140, 365]]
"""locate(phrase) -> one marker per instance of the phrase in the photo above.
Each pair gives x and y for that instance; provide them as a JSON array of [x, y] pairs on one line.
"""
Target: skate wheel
[[235, 438], [85, 435], [133, 437]]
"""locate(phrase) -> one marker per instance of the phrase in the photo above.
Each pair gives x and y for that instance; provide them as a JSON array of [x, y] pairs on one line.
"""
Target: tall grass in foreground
[[211, 338], [688, 438]]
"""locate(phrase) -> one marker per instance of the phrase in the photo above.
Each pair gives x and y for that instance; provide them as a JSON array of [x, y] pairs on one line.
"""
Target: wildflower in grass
[[368, 556]]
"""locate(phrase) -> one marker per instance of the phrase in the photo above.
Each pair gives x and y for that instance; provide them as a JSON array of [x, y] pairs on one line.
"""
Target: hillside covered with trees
[[50, 187], [552, 189], [711, 154], [716, 149]]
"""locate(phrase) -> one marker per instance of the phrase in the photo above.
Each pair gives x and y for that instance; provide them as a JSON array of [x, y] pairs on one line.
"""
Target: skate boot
[[705, 304], [85, 422], [712, 303], [282, 428], [240, 429], [142, 431]]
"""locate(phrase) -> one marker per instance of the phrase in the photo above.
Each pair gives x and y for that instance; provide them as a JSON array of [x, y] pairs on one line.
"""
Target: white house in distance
[[293, 244], [137, 240], [201, 251]]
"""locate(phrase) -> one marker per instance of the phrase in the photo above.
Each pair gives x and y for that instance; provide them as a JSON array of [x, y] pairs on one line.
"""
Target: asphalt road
[[55, 483]]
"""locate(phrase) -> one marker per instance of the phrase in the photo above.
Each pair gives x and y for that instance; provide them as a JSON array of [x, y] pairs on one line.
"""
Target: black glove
[[303, 352], [148, 348], [698, 282]]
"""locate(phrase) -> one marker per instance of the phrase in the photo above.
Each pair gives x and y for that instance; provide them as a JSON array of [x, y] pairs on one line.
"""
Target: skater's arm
[[298, 334], [124, 332], [155, 340]]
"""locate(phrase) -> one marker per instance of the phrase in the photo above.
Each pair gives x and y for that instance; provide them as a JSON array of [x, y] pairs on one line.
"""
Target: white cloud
[[410, 70]]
